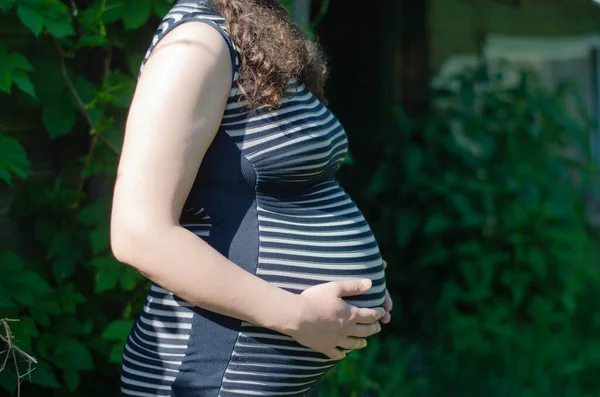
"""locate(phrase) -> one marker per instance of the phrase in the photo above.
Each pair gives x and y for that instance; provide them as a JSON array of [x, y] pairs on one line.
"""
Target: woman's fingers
[[368, 316], [364, 330], [351, 343], [335, 354], [388, 304], [386, 319]]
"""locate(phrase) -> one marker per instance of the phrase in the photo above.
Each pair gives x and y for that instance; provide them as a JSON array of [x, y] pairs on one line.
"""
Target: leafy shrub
[[481, 207], [70, 74]]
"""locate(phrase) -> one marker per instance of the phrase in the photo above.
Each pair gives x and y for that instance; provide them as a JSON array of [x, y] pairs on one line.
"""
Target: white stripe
[[144, 384], [267, 346], [333, 214], [247, 144], [148, 375], [293, 90], [278, 356], [320, 277], [319, 265], [169, 300], [168, 313], [161, 324], [141, 364], [296, 152], [283, 366], [264, 336], [337, 233], [350, 221], [161, 335], [259, 383], [275, 374], [138, 346], [290, 142], [160, 345], [136, 353], [262, 393], [308, 243], [366, 304], [274, 116], [128, 392], [282, 169], [353, 254]]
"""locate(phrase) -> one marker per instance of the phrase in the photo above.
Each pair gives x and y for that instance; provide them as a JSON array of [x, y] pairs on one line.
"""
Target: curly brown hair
[[272, 51]]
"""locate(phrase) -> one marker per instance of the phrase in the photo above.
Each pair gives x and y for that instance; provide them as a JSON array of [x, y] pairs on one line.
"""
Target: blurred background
[[474, 144]]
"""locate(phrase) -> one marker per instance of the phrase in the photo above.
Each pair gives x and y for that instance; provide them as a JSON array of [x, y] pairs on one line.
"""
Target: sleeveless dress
[[265, 196]]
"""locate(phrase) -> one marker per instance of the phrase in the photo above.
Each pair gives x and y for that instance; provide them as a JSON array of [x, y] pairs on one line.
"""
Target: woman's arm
[[174, 116]]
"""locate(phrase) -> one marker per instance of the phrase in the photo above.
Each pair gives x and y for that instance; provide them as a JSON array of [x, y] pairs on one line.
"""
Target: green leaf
[[23, 296], [23, 331], [162, 7], [85, 89], [116, 353], [100, 239], [134, 61], [35, 283], [70, 298], [6, 5], [437, 223], [96, 213], [11, 261], [60, 27], [108, 272], [31, 18], [22, 81], [71, 378], [118, 330], [18, 61], [5, 81], [12, 70], [60, 244], [70, 354], [129, 278], [13, 159], [43, 376], [95, 115], [59, 118], [113, 10], [136, 13], [63, 267]]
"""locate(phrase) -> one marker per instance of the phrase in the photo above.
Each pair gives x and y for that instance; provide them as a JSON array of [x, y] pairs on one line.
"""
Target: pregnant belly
[[317, 237]]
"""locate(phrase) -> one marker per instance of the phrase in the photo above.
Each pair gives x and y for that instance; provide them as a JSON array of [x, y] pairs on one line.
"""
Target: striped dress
[[265, 196]]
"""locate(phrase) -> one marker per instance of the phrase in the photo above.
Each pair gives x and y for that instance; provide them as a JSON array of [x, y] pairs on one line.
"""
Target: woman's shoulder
[[199, 9], [191, 11]]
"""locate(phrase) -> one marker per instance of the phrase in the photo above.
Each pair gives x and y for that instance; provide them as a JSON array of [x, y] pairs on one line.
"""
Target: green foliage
[[482, 208], [72, 298]]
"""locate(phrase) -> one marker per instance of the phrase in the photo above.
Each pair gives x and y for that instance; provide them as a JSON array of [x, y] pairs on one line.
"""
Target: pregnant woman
[[264, 272]]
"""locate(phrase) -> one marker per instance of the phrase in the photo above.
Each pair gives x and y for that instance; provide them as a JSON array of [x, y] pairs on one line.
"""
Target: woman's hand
[[388, 304], [327, 324]]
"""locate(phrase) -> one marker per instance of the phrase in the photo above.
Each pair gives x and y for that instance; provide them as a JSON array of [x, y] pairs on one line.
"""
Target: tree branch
[[12, 351]]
